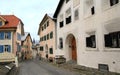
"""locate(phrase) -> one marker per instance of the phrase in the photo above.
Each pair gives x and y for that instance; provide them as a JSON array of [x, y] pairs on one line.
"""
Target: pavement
[[35, 67]]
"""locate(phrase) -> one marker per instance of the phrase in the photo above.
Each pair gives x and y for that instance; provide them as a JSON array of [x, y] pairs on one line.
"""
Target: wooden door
[[74, 53]]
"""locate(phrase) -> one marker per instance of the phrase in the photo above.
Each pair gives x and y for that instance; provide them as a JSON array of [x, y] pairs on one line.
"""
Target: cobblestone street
[[33, 67]]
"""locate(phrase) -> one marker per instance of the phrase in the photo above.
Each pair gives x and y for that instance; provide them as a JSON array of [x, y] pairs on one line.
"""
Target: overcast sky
[[31, 12]]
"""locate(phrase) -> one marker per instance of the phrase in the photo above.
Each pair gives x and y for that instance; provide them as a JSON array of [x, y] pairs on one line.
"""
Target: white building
[[88, 32]]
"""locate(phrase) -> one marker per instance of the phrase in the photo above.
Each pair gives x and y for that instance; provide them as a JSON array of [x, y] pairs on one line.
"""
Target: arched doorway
[[71, 47]]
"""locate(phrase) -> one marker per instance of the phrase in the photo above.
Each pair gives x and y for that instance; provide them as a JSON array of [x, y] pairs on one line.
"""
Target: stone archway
[[71, 47]]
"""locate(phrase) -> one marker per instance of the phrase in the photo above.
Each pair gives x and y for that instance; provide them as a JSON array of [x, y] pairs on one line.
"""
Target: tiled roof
[[11, 21]]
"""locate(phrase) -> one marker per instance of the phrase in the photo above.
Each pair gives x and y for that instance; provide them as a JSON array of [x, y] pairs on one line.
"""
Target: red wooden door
[[74, 53]]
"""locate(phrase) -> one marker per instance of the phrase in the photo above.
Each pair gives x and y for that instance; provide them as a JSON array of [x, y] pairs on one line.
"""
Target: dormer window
[[113, 2], [0, 23]]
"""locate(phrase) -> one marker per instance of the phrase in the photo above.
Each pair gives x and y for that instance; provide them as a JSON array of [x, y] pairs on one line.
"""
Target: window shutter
[[9, 48], [1, 35], [108, 40], [1, 49], [9, 35]]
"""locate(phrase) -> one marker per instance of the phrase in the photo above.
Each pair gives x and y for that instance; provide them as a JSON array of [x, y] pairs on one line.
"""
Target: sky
[[31, 12]]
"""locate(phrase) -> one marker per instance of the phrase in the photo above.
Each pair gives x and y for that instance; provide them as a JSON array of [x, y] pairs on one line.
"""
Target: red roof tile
[[11, 21]]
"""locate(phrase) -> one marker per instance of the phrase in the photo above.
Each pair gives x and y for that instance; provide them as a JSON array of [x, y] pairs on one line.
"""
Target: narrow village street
[[35, 67]]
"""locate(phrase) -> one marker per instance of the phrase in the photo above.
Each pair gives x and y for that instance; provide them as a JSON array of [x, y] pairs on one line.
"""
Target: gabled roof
[[46, 16], [11, 21], [58, 8], [23, 38]]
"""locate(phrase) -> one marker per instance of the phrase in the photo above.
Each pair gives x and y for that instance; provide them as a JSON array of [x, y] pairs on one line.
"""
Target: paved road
[[34, 67]]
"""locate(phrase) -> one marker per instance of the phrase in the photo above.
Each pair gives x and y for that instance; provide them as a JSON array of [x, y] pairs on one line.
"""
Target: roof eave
[[58, 8]]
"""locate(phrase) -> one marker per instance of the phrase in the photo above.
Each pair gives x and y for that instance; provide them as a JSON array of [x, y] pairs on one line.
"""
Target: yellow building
[[11, 29]]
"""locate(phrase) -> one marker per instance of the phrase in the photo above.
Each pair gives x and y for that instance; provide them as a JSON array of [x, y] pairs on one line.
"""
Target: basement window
[[113, 2], [112, 40], [91, 41]]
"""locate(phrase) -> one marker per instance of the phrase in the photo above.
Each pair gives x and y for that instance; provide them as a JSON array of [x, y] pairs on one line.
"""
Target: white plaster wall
[[99, 55]]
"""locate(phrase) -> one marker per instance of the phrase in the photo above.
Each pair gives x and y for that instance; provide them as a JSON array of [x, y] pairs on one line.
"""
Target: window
[[0, 23], [68, 20], [41, 48], [61, 43], [51, 35], [47, 23], [89, 8], [113, 2], [68, 16], [51, 50], [112, 40], [7, 48], [67, 1], [44, 38], [18, 47], [44, 26], [61, 23], [76, 14], [40, 39], [47, 36], [93, 10], [91, 41], [7, 35]]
